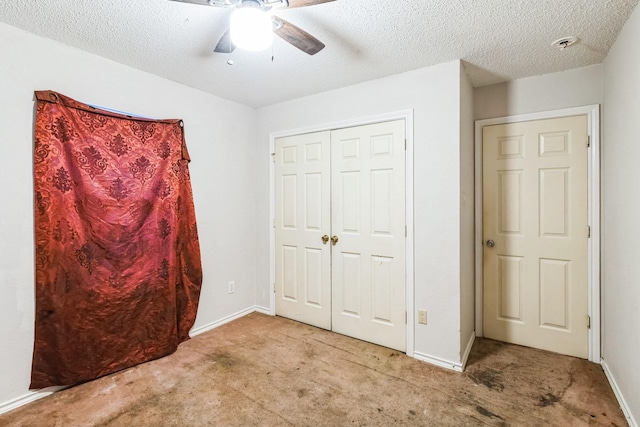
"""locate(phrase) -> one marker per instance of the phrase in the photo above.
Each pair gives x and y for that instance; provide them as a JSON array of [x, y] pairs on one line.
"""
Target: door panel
[[535, 210], [368, 264], [303, 278], [289, 268], [510, 282], [313, 277]]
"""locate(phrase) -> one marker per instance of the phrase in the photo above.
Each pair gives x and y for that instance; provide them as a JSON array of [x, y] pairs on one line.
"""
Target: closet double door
[[340, 231]]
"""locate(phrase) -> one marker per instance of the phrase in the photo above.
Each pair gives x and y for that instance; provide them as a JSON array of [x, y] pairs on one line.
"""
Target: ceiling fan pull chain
[[230, 60]]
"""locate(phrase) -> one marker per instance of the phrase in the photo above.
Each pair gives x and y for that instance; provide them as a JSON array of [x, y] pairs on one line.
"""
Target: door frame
[[593, 182], [407, 116]]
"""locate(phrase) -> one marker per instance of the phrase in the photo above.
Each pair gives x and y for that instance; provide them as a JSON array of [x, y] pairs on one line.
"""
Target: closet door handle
[[325, 239], [334, 240]]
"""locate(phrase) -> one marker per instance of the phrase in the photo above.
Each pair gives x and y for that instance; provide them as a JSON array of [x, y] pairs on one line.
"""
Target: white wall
[[434, 95], [467, 215], [572, 88], [620, 213], [220, 136]]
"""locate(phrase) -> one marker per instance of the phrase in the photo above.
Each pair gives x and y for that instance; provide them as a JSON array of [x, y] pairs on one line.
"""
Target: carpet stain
[[223, 361], [489, 379], [144, 404], [487, 413], [548, 399]]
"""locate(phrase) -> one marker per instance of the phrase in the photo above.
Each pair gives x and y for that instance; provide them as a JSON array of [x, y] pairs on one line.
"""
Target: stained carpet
[[269, 371]]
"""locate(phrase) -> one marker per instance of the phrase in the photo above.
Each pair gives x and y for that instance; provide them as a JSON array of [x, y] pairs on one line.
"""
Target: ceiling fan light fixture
[[250, 28]]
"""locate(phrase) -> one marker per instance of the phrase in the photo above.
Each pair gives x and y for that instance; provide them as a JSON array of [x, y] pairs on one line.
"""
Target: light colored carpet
[[269, 371]]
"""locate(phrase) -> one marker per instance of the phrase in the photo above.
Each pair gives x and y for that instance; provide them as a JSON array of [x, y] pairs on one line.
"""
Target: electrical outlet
[[232, 287], [422, 317]]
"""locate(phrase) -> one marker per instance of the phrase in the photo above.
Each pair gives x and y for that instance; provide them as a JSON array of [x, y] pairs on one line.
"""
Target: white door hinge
[[273, 157], [588, 322], [588, 231], [274, 223]]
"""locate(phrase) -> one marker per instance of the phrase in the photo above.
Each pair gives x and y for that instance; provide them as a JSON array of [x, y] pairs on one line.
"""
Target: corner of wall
[[620, 227], [467, 216]]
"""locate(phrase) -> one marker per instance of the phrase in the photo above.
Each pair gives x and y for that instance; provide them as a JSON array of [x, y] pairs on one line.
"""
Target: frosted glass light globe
[[251, 28]]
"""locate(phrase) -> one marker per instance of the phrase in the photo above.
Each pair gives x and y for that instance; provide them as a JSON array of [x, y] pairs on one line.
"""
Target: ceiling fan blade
[[201, 2], [225, 45], [303, 3], [297, 37]]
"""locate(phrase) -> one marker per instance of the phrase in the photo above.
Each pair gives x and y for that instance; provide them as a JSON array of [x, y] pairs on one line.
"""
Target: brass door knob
[[325, 239], [334, 240]]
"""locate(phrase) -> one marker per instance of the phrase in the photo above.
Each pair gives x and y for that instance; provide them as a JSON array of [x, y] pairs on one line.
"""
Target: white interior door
[[303, 270], [535, 212], [368, 220], [347, 186]]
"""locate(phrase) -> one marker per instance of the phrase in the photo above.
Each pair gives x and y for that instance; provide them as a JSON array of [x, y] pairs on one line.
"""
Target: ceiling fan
[[258, 19]]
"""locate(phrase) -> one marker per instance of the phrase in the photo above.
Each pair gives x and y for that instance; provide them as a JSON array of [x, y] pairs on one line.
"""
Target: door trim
[[593, 182], [407, 116]]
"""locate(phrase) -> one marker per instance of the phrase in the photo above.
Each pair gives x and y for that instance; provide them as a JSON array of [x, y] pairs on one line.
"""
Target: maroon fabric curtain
[[117, 257]]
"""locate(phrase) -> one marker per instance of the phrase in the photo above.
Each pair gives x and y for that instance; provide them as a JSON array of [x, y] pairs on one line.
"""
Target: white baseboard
[[467, 350], [454, 366], [205, 328], [438, 361], [616, 391], [264, 310], [32, 396]]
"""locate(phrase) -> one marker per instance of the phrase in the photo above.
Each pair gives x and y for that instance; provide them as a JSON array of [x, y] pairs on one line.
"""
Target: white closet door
[[303, 271], [368, 222]]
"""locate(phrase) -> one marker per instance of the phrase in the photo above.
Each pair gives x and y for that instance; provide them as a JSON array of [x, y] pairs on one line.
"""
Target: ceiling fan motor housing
[[287, 31], [263, 4]]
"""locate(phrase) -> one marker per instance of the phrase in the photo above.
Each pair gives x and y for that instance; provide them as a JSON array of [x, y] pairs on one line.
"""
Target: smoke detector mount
[[564, 42]]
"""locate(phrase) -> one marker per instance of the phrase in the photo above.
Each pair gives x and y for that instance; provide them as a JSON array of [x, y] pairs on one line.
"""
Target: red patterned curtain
[[117, 256]]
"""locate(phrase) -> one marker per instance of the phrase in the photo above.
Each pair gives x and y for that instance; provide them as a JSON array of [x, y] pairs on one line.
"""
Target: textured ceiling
[[366, 39]]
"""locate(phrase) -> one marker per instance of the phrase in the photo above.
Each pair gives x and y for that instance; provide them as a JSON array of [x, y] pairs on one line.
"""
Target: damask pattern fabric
[[117, 256]]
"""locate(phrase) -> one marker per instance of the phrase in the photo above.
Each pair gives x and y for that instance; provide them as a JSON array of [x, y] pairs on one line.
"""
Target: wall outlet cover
[[422, 317]]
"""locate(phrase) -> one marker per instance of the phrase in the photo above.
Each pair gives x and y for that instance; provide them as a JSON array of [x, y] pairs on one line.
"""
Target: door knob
[[490, 243], [334, 240], [325, 239]]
